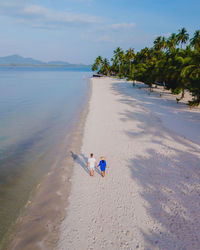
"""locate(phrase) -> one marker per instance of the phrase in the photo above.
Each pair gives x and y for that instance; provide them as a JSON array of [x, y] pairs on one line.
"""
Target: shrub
[[194, 103], [176, 91]]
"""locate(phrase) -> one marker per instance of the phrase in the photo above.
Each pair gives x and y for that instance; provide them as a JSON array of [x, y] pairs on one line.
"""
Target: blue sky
[[78, 31]]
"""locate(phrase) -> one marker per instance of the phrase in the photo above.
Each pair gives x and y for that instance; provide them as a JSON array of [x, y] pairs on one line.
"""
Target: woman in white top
[[91, 164]]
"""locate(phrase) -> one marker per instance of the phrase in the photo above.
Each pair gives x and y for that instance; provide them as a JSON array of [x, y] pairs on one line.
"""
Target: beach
[[149, 198], [109, 79]]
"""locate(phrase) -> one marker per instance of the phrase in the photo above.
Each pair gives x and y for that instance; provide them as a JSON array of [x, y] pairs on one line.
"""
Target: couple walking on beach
[[92, 163]]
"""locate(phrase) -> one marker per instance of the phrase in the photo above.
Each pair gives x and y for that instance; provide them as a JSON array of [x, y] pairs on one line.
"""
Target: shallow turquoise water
[[38, 107]]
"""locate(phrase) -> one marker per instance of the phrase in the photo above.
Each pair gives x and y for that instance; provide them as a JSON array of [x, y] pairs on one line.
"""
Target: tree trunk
[[183, 93], [164, 84], [119, 66]]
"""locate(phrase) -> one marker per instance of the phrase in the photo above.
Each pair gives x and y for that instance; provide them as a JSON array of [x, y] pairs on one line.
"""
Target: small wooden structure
[[98, 75]]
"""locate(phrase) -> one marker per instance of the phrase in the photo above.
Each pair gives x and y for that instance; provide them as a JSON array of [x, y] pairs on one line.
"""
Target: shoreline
[[150, 194], [38, 226], [73, 66]]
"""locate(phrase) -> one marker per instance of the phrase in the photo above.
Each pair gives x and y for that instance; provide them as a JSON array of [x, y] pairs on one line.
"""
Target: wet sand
[[38, 227]]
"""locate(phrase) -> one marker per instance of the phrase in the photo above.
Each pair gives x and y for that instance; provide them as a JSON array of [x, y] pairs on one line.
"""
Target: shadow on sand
[[168, 173]]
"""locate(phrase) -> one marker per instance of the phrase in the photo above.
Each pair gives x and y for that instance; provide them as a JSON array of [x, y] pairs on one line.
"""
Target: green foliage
[[176, 91], [195, 41], [174, 61], [194, 103], [182, 37], [97, 64], [101, 66]]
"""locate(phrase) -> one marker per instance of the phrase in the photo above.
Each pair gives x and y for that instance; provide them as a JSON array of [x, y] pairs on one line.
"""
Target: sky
[[77, 31]]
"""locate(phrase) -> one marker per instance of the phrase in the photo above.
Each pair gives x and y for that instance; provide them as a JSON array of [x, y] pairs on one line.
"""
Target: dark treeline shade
[[172, 61]]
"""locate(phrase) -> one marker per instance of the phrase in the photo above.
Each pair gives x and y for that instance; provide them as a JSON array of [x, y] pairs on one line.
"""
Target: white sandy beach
[[150, 196]]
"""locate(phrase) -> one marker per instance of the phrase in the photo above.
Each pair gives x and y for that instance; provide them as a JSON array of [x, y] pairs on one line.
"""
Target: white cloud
[[39, 16], [109, 33]]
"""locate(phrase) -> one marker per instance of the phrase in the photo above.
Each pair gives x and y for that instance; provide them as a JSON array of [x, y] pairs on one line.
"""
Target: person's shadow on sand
[[97, 170], [82, 161]]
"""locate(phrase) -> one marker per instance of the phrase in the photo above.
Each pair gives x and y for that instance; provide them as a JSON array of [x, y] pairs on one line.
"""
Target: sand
[[150, 196]]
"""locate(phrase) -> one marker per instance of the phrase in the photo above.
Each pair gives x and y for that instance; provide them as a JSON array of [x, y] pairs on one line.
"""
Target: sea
[[38, 108]]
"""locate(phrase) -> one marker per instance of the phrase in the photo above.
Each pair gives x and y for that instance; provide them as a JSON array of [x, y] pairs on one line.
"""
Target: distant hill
[[16, 60]]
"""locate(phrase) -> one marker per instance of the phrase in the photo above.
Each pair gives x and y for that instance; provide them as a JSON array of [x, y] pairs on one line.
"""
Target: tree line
[[172, 61]]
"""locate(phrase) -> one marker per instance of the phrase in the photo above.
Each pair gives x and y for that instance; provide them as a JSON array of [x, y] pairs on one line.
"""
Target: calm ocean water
[[38, 107]]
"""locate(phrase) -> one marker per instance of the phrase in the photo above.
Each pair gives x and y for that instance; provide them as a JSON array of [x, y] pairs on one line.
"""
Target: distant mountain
[[17, 60]]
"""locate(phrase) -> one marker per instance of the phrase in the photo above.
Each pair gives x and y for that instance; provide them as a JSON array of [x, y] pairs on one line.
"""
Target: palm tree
[[192, 70], [163, 43], [159, 43], [181, 63], [182, 37], [172, 41], [118, 56], [195, 41], [178, 69], [143, 55], [97, 64], [129, 56], [105, 68]]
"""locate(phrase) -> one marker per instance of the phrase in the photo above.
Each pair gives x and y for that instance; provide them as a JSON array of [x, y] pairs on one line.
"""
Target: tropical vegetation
[[173, 62]]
